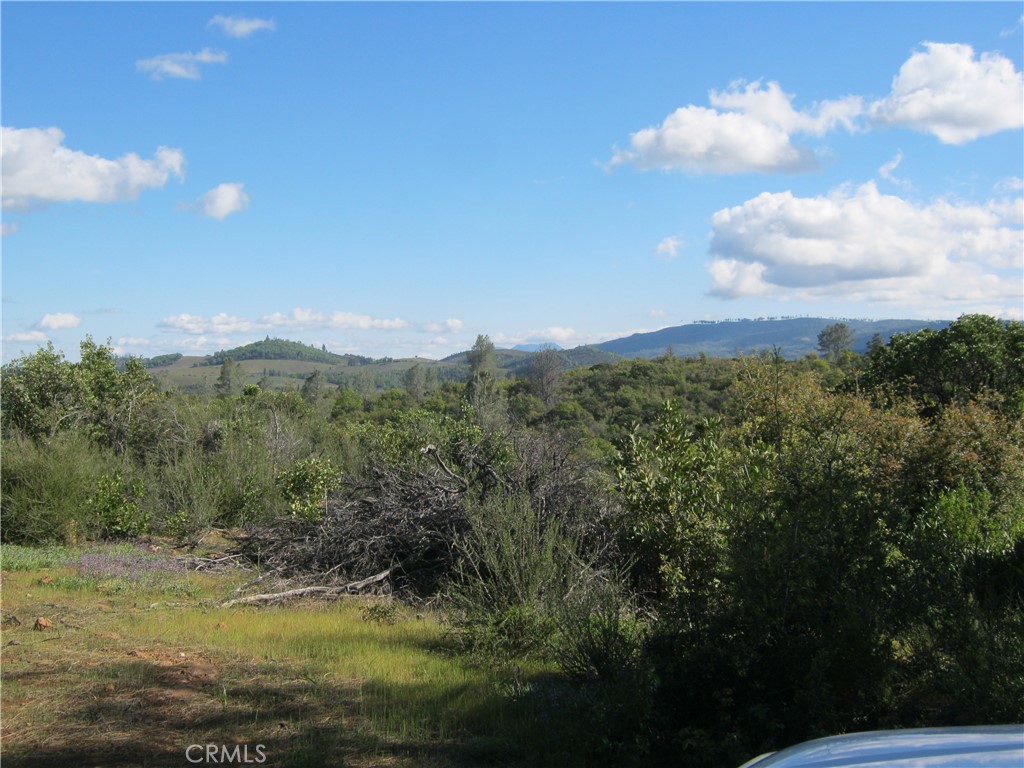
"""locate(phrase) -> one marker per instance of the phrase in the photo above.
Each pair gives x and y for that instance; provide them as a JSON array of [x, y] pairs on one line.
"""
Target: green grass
[[15, 557], [127, 676], [408, 682]]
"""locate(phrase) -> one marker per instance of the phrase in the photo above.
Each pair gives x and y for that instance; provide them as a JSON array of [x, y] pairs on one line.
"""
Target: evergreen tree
[[834, 338], [313, 387], [483, 369], [231, 378]]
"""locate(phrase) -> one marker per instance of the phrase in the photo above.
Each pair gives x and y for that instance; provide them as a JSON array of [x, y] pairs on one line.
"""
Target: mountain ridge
[[289, 361], [792, 336]]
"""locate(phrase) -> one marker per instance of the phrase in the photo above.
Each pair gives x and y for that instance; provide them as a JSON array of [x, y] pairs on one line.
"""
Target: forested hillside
[[280, 349], [717, 556], [794, 337]]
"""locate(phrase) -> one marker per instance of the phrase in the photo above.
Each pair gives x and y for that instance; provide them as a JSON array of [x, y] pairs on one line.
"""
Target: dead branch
[[350, 588]]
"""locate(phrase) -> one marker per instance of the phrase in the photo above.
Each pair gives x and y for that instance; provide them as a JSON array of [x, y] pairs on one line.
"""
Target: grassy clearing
[[135, 674]]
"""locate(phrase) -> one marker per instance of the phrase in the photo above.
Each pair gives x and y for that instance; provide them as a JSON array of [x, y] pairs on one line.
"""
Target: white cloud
[[861, 245], [657, 313], [134, 341], [180, 65], [223, 200], [31, 336], [555, 333], [221, 323], [238, 26], [886, 171], [308, 318], [8, 228], [451, 325], [1013, 30], [669, 247], [770, 105], [945, 90], [38, 170], [752, 134], [58, 321], [948, 91]]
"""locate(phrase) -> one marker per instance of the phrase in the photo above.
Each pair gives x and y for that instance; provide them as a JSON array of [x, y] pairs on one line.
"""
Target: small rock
[[42, 624], [10, 621]]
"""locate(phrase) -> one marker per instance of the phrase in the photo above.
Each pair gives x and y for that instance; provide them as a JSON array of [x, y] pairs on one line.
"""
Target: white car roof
[[988, 746]]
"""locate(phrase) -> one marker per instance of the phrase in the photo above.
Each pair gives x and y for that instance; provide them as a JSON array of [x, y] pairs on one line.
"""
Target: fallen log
[[344, 589]]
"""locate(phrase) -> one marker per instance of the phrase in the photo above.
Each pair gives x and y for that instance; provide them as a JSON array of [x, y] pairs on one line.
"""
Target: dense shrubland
[[722, 556]]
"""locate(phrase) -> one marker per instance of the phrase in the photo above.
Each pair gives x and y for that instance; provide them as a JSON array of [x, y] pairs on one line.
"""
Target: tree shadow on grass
[[150, 711]]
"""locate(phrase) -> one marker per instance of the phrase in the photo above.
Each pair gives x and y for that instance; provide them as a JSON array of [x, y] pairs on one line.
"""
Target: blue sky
[[392, 179]]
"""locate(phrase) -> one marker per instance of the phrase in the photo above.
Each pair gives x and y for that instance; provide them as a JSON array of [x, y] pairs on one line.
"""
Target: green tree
[[44, 394], [313, 386], [835, 338], [346, 402], [545, 373], [230, 380], [675, 518], [482, 389], [483, 367], [415, 381], [972, 355]]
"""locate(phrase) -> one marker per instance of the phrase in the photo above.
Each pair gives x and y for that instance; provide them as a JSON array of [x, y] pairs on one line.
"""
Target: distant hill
[[794, 337], [284, 364], [281, 349]]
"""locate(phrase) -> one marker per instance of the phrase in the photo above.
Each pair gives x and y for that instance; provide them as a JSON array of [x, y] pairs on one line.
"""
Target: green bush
[[115, 508], [47, 487], [305, 486], [512, 570], [185, 494]]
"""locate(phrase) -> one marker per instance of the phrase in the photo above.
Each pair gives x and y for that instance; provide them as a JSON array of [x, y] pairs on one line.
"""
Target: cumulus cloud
[[221, 323], [749, 129], [9, 228], [58, 321], [180, 65], [133, 341], [238, 26], [37, 337], [451, 325], [38, 170], [949, 91], [862, 245], [223, 200], [668, 248], [556, 333], [945, 89], [308, 318]]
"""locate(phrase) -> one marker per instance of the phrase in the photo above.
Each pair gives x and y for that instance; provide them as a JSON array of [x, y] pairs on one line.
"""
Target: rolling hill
[[283, 364]]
